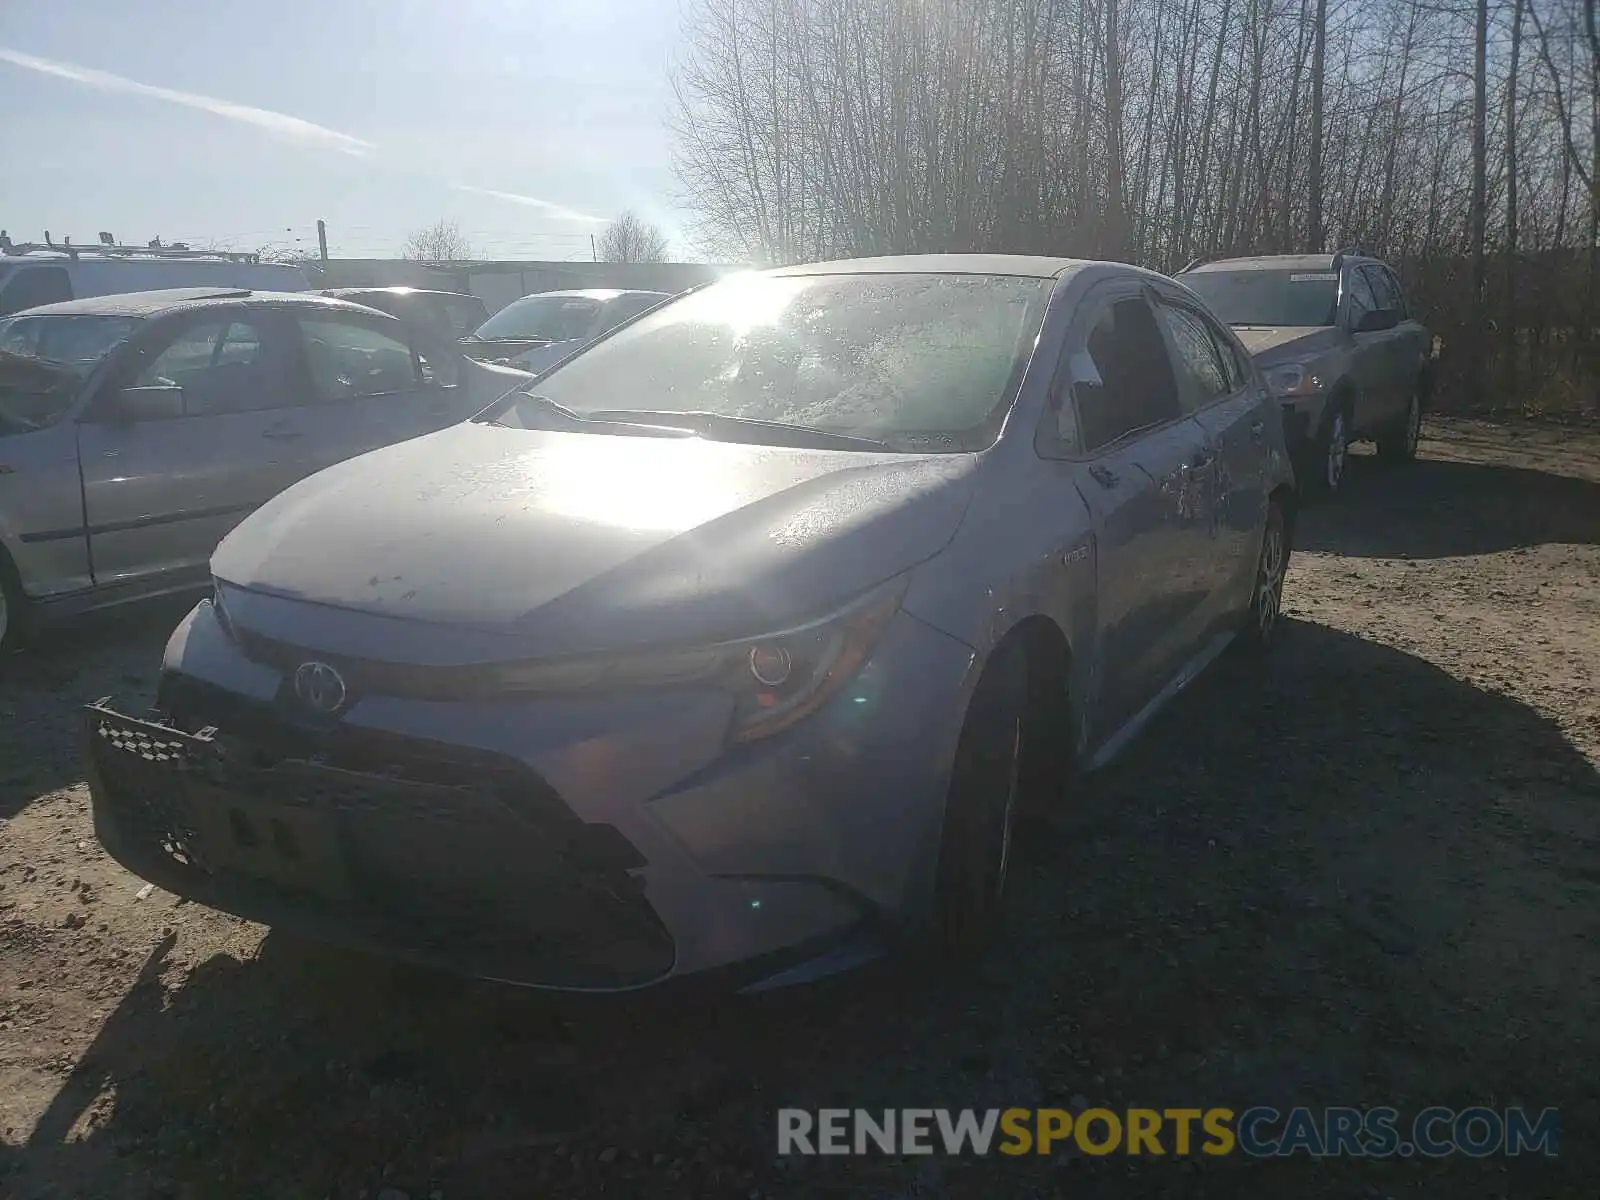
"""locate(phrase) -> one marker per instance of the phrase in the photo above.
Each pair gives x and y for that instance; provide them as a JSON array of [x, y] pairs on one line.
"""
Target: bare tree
[[442, 241], [632, 239], [1157, 130]]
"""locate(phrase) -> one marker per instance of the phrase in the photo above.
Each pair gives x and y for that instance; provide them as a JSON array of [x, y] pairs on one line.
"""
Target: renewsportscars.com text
[[1258, 1132]]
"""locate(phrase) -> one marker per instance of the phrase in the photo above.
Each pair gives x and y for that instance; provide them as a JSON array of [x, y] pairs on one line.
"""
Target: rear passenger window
[[1122, 378], [348, 360], [1203, 377]]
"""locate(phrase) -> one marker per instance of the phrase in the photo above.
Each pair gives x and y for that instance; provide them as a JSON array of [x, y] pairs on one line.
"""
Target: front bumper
[[601, 845]]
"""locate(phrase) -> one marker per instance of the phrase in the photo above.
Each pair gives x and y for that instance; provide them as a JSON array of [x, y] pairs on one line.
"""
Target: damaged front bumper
[[461, 863]]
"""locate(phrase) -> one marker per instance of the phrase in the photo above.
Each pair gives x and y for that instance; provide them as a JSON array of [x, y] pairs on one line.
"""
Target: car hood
[[572, 542], [1278, 343]]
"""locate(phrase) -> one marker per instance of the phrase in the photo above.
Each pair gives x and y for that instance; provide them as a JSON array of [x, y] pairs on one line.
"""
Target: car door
[[1369, 355], [1408, 341], [163, 485], [1133, 463], [371, 382], [1218, 390]]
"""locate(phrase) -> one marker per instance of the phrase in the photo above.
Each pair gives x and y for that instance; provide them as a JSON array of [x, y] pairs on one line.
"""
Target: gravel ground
[[1368, 878]]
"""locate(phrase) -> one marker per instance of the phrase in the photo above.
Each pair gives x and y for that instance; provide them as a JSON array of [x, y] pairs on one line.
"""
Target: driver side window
[[1361, 301], [1121, 374]]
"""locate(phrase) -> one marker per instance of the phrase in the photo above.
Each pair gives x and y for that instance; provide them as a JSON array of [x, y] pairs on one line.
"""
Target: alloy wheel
[[1338, 447], [1269, 584]]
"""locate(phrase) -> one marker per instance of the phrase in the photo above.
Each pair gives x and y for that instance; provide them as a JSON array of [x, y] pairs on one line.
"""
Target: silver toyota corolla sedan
[[736, 640]]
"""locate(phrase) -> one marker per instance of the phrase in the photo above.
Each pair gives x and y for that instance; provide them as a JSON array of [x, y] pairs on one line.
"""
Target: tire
[[1265, 613], [13, 607], [1398, 443], [1325, 466], [981, 809]]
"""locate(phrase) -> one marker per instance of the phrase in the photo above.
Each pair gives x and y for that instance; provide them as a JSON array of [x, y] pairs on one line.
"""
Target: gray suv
[[1339, 345], [137, 429]]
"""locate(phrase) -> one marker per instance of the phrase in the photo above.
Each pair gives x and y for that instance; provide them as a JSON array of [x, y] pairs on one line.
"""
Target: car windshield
[[1268, 297], [916, 361], [78, 341], [541, 318], [465, 313]]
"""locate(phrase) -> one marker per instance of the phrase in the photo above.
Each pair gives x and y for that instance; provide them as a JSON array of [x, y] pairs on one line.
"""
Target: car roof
[[592, 294], [1025, 265], [344, 292], [1279, 262], [165, 300]]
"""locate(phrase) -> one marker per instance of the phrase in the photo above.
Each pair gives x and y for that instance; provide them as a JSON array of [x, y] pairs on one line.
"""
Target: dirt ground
[[1370, 879]]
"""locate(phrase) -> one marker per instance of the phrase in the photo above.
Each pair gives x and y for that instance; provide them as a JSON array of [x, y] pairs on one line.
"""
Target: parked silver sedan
[[137, 429], [737, 639]]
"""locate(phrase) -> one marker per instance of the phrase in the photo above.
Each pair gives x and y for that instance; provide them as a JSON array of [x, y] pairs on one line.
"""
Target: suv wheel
[[1399, 443], [1332, 452]]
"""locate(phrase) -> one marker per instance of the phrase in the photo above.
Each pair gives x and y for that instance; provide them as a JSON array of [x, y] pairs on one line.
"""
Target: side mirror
[[158, 402], [1378, 320]]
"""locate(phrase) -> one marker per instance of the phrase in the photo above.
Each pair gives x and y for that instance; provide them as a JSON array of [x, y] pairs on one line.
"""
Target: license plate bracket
[[295, 846]]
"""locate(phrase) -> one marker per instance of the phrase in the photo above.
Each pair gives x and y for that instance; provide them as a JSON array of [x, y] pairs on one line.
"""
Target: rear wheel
[[1272, 565], [1398, 444], [981, 809]]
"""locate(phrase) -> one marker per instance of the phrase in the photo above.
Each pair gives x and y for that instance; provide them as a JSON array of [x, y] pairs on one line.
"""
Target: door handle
[[1103, 476], [282, 434]]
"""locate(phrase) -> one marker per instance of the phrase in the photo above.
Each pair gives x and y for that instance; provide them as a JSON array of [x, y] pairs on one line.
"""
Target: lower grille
[[428, 851]]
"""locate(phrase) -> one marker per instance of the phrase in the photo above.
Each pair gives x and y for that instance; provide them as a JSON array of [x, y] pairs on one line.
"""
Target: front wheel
[[1398, 444], [1329, 452], [981, 809]]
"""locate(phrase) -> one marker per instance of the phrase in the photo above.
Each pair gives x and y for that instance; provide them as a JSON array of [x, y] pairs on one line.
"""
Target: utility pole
[[322, 241], [594, 251]]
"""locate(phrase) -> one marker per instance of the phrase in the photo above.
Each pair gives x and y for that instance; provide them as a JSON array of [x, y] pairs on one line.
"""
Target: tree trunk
[[1319, 45], [1513, 321], [1477, 223]]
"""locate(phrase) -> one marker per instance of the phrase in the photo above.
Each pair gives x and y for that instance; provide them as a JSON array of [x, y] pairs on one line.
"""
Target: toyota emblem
[[319, 687]]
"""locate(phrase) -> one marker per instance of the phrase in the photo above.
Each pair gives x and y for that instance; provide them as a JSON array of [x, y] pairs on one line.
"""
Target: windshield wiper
[[588, 420], [739, 429]]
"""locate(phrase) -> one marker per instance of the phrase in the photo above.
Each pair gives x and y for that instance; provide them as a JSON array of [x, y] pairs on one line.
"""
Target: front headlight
[[1293, 379], [776, 679]]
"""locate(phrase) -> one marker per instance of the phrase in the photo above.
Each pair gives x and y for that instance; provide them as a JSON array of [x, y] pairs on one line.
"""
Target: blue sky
[[243, 124]]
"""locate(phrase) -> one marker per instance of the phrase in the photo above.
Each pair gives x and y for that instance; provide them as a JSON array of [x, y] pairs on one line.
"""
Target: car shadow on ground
[[1438, 508], [1283, 896], [116, 652]]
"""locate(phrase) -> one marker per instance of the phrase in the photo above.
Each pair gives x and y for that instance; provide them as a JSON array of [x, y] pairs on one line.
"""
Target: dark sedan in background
[[447, 315]]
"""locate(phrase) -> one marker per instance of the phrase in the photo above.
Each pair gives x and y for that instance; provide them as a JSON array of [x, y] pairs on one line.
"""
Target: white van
[[31, 275]]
